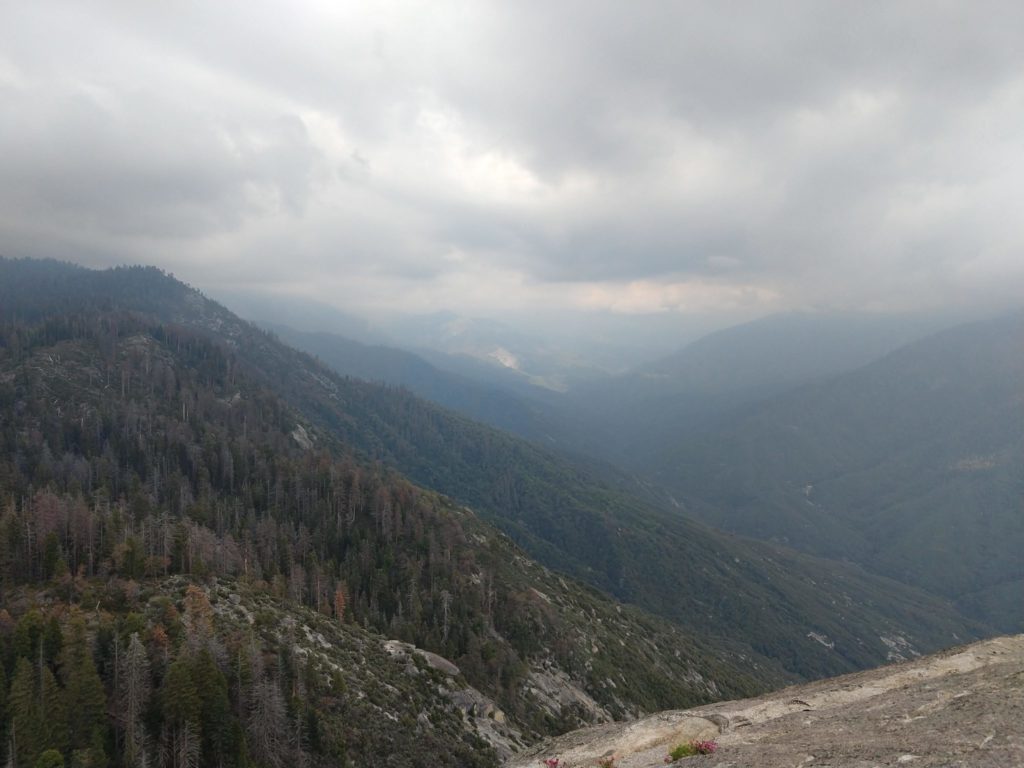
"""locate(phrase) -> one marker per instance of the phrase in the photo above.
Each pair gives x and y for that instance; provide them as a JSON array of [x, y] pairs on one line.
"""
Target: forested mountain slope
[[489, 403], [133, 450], [131, 672], [910, 465], [814, 617]]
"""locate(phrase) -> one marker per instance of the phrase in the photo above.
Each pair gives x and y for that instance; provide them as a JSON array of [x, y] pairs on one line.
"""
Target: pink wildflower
[[705, 747]]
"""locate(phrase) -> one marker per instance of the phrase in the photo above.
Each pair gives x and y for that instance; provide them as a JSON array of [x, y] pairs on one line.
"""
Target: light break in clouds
[[530, 157]]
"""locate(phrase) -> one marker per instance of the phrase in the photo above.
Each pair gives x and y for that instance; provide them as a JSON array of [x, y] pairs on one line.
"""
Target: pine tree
[[214, 709], [83, 690], [97, 751], [38, 719], [179, 696], [28, 634], [26, 730], [182, 709], [52, 711]]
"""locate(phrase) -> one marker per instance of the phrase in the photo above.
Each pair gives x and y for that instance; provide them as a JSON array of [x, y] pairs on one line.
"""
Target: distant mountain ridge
[[909, 465], [529, 417], [643, 413]]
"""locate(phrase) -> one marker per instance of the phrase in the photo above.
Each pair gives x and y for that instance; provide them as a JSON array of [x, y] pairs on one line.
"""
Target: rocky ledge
[[962, 707]]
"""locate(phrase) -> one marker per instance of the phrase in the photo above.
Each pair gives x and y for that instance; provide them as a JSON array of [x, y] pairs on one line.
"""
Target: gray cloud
[[525, 157]]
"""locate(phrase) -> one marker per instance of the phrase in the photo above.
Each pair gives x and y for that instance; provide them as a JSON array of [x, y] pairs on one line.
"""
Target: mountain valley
[[156, 444]]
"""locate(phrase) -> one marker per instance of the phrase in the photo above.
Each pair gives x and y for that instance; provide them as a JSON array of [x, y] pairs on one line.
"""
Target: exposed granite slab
[[962, 707]]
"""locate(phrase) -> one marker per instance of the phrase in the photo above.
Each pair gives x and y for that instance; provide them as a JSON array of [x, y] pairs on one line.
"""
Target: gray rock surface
[[962, 707]]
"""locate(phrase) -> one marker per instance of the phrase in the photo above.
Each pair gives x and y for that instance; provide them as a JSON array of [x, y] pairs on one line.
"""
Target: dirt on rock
[[962, 707]]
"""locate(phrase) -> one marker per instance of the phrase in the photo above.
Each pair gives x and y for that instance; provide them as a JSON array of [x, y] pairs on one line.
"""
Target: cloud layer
[[525, 157]]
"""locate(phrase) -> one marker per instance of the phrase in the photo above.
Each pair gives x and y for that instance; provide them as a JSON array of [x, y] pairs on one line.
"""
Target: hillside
[[643, 413], [814, 617], [123, 671], [526, 416], [134, 450], [960, 708], [909, 466]]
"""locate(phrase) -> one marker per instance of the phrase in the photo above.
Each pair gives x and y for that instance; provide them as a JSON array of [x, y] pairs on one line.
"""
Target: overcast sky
[[525, 157]]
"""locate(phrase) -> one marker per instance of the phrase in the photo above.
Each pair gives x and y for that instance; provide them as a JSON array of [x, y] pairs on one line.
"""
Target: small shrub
[[691, 748], [679, 752], [266, 618]]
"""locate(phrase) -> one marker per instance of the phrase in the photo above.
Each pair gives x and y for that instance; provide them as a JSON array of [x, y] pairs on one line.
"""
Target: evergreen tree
[[28, 634], [181, 710], [180, 699], [38, 721], [26, 730], [83, 690], [98, 751], [214, 709], [52, 712]]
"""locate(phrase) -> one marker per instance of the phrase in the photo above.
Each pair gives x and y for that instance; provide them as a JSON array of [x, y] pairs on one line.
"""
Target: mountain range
[[567, 515], [151, 434], [883, 441], [909, 465]]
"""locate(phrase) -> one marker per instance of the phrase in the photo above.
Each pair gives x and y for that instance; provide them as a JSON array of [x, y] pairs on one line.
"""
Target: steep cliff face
[[964, 707]]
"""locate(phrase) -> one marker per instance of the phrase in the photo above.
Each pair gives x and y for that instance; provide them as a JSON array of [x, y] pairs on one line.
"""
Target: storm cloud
[[525, 157]]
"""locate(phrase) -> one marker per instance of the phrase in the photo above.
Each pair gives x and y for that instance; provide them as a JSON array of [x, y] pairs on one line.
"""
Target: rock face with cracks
[[962, 707]]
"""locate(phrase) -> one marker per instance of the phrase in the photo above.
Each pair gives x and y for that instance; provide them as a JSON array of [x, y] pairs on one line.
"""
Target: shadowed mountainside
[[909, 466]]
